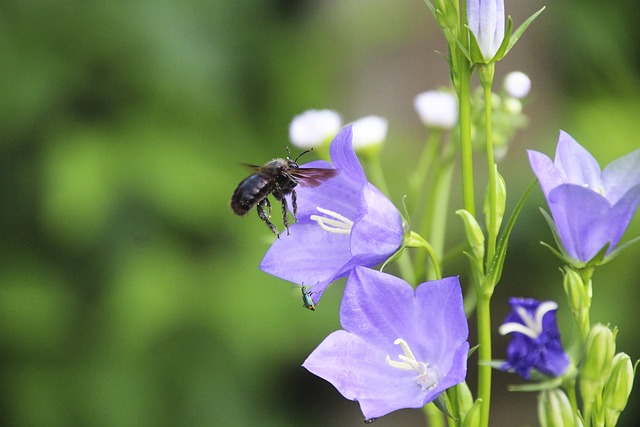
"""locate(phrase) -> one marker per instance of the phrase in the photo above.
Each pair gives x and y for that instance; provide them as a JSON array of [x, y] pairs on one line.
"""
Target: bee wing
[[312, 177], [253, 168]]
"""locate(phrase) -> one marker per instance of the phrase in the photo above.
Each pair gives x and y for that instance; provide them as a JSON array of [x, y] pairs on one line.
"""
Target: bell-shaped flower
[[486, 20], [343, 223], [590, 208], [490, 40], [535, 340], [399, 348]]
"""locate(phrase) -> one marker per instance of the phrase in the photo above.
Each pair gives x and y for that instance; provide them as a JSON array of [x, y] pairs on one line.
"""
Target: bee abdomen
[[249, 192]]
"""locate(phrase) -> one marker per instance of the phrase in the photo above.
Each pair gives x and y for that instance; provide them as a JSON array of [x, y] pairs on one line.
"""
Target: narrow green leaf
[[520, 30], [614, 253], [494, 270], [506, 42]]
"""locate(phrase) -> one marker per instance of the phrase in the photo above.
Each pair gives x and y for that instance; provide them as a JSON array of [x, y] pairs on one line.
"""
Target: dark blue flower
[[343, 223], [535, 340]]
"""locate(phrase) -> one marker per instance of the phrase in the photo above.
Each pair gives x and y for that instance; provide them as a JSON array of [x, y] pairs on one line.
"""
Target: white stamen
[[427, 377], [334, 223], [532, 325], [598, 188]]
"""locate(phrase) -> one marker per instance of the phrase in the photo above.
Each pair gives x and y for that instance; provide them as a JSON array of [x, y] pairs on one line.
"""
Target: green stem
[[417, 241], [484, 355], [462, 72], [417, 182], [570, 388], [440, 206], [492, 226], [466, 148]]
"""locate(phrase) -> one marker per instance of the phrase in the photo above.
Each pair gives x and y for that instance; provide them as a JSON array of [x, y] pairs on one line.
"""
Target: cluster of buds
[[506, 111], [606, 378]]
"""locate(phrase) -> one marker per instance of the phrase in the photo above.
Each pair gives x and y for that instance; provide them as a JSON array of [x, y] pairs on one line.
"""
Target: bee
[[278, 177], [307, 302]]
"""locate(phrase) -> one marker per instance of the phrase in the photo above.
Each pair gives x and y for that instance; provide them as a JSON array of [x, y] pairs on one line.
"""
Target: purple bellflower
[[535, 341], [400, 348], [486, 21], [343, 223], [590, 207]]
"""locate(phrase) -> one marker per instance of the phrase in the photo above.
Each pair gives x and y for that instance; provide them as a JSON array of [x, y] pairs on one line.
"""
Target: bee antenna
[[302, 154]]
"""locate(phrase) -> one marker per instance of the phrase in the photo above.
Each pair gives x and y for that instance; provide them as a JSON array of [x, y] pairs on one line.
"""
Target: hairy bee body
[[279, 178]]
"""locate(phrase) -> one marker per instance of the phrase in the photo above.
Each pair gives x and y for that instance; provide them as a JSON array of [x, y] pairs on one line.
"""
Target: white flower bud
[[517, 84], [437, 109], [368, 131], [314, 127]]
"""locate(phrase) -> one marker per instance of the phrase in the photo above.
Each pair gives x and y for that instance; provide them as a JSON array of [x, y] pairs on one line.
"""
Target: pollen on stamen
[[333, 222], [428, 375]]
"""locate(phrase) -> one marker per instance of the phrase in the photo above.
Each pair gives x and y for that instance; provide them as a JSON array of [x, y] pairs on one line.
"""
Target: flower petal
[[374, 306], [576, 210], [548, 176], [377, 231], [336, 194], [621, 175], [358, 370], [440, 318], [344, 157], [576, 163], [296, 258]]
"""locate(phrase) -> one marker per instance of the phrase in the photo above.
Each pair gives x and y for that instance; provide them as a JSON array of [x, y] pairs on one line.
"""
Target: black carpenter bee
[[278, 177]]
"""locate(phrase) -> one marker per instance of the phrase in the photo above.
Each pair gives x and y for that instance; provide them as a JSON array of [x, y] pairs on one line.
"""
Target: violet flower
[[535, 343], [486, 20], [400, 348], [590, 207], [343, 223]]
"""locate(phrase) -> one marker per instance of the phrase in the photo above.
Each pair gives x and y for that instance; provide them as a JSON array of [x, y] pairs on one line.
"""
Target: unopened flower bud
[[475, 237], [617, 388], [461, 399], [437, 109], [472, 417], [500, 199], [575, 289], [369, 132], [554, 409], [517, 84], [600, 348], [314, 127]]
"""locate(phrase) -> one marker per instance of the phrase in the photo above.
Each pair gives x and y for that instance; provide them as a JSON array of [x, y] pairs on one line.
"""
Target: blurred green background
[[130, 294]]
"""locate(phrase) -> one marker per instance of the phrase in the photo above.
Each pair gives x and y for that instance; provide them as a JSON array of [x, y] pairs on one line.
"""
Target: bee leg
[[294, 204], [267, 203], [263, 216], [285, 214]]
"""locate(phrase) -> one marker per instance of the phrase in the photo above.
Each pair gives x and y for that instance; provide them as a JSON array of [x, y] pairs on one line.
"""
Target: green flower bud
[[460, 399], [501, 200], [472, 418], [554, 409], [600, 348], [579, 298], [475, 237], [617, 388]]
